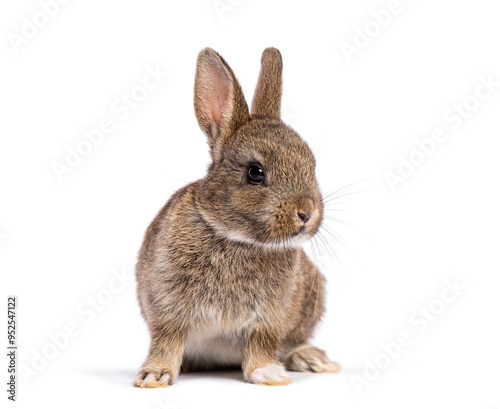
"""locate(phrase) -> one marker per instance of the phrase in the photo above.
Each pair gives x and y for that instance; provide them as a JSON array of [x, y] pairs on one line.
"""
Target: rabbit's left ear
[[267, 98], [219, 103]]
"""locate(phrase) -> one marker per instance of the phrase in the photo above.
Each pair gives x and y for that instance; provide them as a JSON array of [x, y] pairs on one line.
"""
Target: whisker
[[345, 187], [332, 209], [339, 239], [317, 298], [286, 258], [332, 233], [335, 203], [331, 199], [347, 224], [316, 272], [332, 254], [316, 267], [328, 248]]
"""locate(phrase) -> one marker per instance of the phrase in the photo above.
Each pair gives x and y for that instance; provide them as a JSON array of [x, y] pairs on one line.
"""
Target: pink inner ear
[[219, 94]]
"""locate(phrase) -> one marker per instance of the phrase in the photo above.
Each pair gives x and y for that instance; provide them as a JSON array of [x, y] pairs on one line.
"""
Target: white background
[[61, 240]]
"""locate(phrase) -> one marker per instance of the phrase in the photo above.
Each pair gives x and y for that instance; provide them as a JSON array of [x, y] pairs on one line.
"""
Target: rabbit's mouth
[[302, 230], [298, 236], [303, 234]]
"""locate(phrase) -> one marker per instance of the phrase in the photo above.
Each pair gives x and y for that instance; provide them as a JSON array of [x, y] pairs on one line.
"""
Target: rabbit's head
[[261, 186]]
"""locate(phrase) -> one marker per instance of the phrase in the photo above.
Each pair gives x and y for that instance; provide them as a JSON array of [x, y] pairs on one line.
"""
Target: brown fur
[[222, 257], [267, 99]]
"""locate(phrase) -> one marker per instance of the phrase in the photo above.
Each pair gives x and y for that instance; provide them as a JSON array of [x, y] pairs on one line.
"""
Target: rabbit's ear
[[267, 99], [219, 103]]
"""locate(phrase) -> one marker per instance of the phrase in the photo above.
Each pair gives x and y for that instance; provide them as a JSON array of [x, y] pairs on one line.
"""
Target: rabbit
[[222, 279]]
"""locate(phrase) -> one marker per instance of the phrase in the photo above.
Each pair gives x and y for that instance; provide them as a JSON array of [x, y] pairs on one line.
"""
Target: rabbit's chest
[[241, 296], [227, 285], [245, 280]]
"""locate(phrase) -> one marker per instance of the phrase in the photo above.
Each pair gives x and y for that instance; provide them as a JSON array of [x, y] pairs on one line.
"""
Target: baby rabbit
[[222, 278]]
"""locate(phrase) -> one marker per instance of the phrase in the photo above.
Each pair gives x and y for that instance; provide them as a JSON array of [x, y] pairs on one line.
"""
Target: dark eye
[[255, 174]]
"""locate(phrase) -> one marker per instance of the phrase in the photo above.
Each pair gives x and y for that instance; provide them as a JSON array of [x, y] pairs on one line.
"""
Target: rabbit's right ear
[[267, 98], [219, 104]]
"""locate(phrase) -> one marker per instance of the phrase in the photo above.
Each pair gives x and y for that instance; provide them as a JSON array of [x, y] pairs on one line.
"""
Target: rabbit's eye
[[255, 174]]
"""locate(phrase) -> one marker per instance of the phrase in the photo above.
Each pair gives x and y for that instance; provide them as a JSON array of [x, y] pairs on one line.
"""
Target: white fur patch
[[293, 242], [210, 345], [270, 374]]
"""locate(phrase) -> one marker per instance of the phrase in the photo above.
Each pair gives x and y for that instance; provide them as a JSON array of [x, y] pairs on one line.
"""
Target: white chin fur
[[293, 242]]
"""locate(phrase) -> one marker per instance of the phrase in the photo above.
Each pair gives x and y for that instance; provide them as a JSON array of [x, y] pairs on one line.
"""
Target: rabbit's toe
[[273, 374], [153, 379]]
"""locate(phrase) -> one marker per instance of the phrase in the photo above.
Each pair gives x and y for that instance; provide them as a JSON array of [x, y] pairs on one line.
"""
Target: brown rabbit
[[222, 278]]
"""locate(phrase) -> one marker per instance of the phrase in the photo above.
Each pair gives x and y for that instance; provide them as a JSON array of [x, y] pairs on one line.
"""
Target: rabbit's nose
[[305, 209], [303, 217]]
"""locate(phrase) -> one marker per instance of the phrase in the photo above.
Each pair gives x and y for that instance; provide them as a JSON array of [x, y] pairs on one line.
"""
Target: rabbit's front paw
[[153, 379], [273, 374]]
